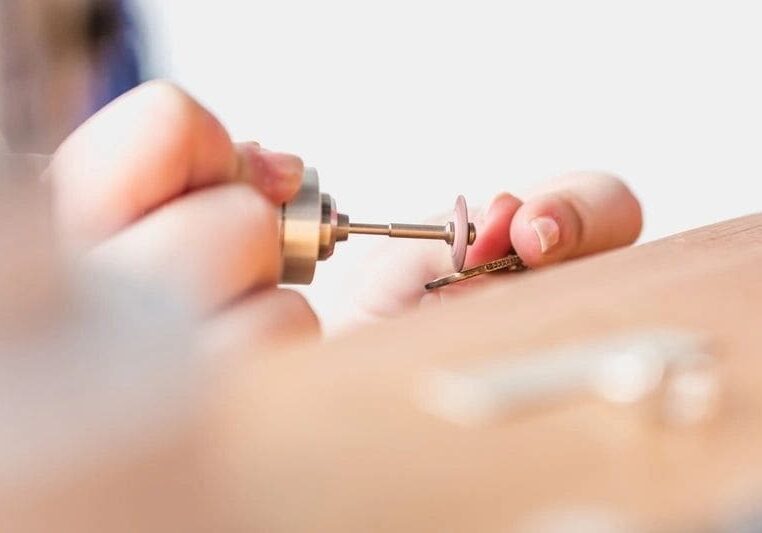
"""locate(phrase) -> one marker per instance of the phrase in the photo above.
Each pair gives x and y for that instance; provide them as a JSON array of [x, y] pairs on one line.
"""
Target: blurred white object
[[89, 365], [623, 369], [576, 519]]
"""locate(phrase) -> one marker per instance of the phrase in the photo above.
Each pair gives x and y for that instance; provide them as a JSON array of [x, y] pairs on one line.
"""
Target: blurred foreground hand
[[152, 186]]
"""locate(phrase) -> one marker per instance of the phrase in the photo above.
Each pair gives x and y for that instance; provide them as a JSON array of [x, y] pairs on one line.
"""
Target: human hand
[[575, 215], [153, 186]]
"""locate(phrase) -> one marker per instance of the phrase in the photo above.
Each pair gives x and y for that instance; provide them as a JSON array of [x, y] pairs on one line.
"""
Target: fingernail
[[288, 167], [547, 231]]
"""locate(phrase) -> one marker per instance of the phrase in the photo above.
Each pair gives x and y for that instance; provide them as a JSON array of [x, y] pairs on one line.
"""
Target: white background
[[401, 105]]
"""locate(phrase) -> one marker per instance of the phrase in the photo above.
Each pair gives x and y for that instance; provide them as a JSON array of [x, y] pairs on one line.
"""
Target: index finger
[[146, 148]]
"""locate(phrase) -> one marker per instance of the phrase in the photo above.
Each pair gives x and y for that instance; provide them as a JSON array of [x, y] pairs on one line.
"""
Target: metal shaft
[[406, 231]]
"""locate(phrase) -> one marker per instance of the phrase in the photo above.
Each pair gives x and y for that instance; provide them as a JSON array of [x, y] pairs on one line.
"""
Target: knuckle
[[167, 92], [171, 103]]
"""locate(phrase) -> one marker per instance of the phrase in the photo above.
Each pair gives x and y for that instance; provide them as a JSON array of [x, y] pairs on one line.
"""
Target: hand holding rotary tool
[[152, 186]]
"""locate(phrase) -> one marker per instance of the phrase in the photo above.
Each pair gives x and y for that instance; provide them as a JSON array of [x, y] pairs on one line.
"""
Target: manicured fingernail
[[547, 231], [288, 167]]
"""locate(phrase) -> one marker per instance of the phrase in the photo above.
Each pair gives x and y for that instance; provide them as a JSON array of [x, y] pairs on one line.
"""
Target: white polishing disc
[[460, 240]]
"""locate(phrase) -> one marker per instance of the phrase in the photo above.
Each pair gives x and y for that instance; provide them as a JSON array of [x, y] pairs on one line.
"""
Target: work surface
[[333, 438]]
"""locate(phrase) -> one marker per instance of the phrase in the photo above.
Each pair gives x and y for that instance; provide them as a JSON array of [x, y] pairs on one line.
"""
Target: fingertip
[[287, 169], [501, 204], [277, 175], [493, 239]]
